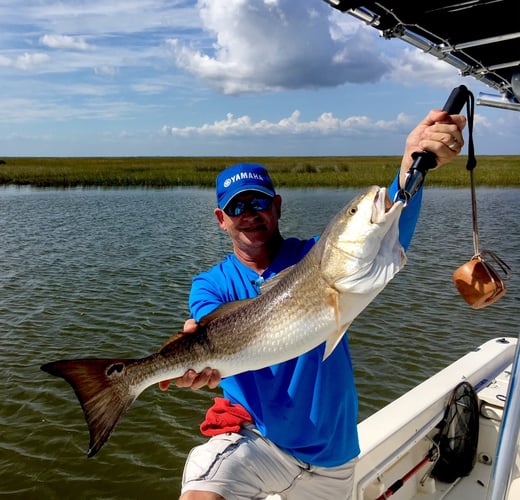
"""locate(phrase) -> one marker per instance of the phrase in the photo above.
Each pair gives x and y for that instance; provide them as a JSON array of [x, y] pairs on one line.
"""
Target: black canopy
[[481, 38]]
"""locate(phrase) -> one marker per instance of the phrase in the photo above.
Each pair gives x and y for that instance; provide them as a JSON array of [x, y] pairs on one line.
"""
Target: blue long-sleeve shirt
[[306, 406]]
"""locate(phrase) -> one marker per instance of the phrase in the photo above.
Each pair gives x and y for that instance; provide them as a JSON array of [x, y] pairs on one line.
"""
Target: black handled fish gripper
[[425, 160]]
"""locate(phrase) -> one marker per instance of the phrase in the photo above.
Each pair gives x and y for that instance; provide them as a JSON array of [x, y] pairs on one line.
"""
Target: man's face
[[253, 227]]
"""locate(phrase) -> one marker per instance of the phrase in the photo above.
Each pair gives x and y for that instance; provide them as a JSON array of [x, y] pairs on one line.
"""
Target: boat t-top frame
[[481, 38]]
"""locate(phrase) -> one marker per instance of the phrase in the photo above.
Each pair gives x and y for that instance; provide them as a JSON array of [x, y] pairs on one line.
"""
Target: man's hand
[[439, 133], [191, 378]]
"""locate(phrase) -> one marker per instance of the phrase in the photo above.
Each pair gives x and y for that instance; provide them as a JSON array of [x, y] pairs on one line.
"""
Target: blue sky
[[216, 77]]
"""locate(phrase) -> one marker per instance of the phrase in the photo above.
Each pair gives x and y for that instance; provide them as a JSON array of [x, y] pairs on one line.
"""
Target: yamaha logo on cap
[[240, 178], [243, 175]]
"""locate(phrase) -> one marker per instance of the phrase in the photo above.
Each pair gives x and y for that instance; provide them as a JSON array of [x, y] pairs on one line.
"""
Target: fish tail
[[103, 392]]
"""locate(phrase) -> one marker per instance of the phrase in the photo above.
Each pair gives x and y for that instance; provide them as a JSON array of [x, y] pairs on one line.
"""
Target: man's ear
[[277, 200], [219, 214]]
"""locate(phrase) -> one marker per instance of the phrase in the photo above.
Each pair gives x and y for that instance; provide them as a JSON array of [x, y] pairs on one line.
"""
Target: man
[[294, 425]]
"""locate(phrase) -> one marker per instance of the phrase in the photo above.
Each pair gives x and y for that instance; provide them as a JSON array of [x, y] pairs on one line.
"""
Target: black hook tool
[[425, 160]]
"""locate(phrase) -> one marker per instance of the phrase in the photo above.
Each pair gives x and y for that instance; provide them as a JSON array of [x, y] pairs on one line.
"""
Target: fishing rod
[[397, 485], [454, 450]]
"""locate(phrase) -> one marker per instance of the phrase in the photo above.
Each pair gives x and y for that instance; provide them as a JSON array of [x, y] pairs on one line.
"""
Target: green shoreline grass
[[327, 171]]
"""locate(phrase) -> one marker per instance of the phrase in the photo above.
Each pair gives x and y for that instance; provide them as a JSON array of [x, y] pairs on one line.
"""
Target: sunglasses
[[239, 207]]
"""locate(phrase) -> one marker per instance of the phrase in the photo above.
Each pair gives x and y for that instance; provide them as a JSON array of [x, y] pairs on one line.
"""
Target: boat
[[403, 444], [400, 445], [480, 38], [455, 435]]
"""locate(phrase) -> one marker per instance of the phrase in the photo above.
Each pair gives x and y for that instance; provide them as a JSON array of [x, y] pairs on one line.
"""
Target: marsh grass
[[330, 171]]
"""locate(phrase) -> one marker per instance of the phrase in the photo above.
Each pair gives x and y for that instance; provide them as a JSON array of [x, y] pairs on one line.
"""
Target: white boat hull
[[399, 436]]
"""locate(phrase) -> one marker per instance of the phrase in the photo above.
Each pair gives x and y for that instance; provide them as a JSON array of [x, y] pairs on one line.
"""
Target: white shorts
[[247, 466]]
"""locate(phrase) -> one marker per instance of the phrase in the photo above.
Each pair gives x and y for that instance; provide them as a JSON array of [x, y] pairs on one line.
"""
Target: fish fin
[[173, 339], [272, 282], [224, 309], [334, 339], [102, 392], [230, 307]]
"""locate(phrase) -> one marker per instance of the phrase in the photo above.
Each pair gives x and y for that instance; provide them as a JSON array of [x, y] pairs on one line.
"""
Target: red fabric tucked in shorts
[[224, 417]]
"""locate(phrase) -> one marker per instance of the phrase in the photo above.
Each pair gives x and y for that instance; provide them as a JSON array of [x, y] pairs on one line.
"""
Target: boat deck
[[395, 440]]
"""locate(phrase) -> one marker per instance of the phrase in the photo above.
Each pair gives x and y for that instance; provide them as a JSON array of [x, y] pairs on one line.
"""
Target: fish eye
[[352, 211]]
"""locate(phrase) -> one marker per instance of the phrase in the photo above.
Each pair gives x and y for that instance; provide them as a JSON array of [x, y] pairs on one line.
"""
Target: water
[[107, 273]]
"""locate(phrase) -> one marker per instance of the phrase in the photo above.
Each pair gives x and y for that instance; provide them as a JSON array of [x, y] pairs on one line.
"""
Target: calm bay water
[[106, 273]]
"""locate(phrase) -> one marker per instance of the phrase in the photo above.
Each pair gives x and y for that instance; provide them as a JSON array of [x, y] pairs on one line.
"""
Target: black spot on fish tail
[[102, 391], [115, 369]]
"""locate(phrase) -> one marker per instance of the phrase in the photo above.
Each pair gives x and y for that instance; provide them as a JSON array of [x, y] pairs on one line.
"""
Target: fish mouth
[[382, 205]]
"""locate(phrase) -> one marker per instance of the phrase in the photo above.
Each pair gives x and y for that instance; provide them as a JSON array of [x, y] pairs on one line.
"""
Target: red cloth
[[224, 417]]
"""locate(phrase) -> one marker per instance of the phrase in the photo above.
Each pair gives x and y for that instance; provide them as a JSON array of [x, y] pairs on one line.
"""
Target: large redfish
[[309, 303]]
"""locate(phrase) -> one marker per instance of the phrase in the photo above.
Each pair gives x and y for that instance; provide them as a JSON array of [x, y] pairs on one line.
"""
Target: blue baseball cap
[[242, 177]]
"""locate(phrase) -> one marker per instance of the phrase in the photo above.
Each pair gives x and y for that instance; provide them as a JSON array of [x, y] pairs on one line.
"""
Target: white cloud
[[325, 124], [149, 87], [101, 66], [99, 17], [25, 61], [64, 42], [106, 70], [24, 110], [124, 33], [506, 125], [480, 122], [413, 66], [5, 61], [299, 52]]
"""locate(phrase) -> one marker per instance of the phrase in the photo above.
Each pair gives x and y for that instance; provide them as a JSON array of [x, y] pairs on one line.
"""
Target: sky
[[216, 78]]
